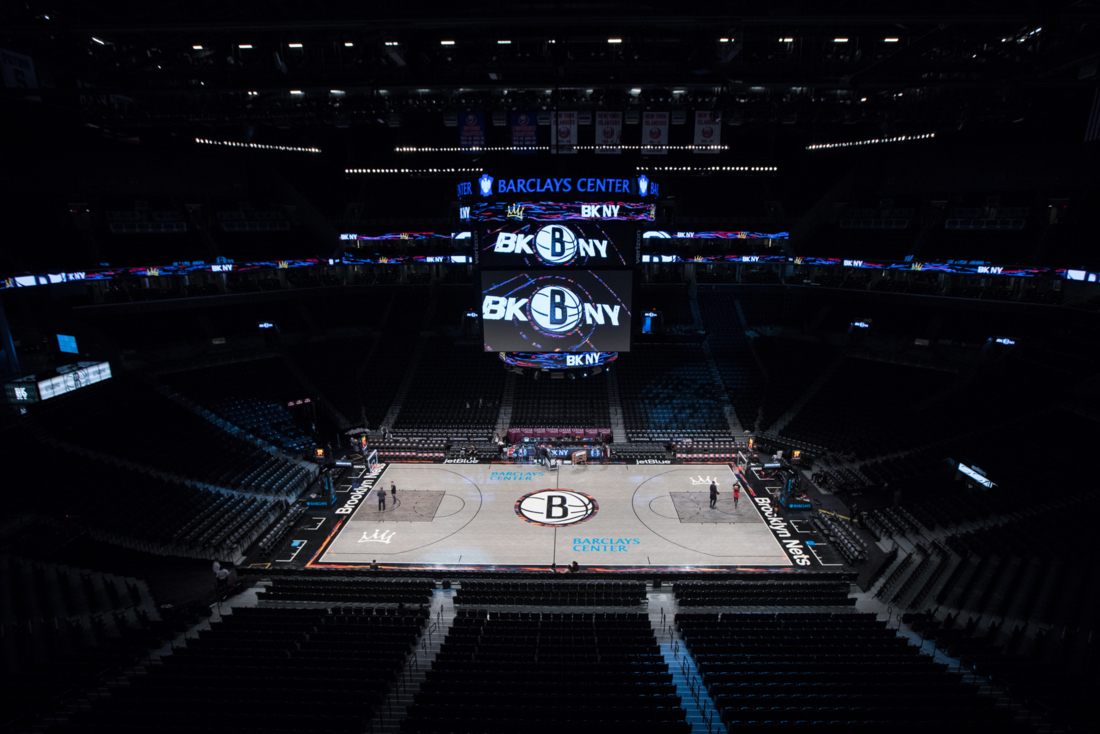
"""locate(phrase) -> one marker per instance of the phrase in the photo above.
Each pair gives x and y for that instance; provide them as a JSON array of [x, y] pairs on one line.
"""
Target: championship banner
[[609, 131], [471, 130], [523, 132], [708, 131], [563, 129], [655, 133]]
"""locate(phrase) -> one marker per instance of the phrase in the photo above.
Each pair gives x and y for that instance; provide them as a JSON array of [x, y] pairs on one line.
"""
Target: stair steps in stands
[[693, 302], [396, 704], [782, 421], [694, 698], [406, 382], [736, 428], [507, 400], [615, 407], [749, 338]]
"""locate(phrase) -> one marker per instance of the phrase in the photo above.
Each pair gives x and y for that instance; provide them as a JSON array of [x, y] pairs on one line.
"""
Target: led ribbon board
[[557, 360], [548, 211]]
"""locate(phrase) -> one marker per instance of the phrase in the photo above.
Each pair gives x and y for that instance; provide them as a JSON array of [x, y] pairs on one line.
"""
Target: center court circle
[[556, 507]]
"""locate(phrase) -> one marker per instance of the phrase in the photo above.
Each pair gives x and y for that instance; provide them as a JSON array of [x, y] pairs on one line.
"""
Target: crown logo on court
[[385, 537], [284, 264], [702, 480], [152, 271], [514, 212], [383, 259], [404, 236]]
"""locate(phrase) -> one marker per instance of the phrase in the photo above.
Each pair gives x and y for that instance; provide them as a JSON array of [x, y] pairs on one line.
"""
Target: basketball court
[[602, 516]]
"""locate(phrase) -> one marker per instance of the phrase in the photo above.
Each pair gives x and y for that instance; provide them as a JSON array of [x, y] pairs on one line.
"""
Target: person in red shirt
[[736, 493]]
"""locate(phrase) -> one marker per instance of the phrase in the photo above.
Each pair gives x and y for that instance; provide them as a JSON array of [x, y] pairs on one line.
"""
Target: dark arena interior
[[485, 368]]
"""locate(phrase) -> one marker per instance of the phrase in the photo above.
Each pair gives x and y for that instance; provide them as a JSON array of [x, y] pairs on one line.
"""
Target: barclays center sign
[[487, 185]]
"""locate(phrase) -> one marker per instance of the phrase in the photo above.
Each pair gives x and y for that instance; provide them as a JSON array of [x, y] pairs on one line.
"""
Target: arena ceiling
[[304, 70]]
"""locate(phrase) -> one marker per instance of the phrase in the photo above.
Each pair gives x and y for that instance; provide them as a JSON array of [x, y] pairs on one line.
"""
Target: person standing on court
[[381, 498], [713, 494], [393, 492], [736, 494]]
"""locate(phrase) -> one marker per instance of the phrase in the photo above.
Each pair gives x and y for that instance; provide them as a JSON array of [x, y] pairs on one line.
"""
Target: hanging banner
[[609, 131], [708, 131], [523, 132], [471, 130], [563, 128], [655, 133], [18, 70]]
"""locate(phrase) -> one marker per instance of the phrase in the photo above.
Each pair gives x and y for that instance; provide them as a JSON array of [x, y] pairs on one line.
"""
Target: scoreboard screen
[[556, 311], [569, 244]]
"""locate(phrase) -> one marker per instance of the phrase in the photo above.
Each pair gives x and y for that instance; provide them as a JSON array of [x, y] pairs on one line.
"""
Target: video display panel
[[572, 244], [554, 311]]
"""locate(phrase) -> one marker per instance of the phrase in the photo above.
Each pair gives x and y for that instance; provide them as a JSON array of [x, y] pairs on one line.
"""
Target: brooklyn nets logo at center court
[[556, 507]]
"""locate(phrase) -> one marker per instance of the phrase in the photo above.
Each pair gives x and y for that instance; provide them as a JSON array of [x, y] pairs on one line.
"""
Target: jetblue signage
[[489, 186]]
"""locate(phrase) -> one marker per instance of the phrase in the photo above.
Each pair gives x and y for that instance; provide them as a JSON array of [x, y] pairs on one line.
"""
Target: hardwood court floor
[[611, 516]]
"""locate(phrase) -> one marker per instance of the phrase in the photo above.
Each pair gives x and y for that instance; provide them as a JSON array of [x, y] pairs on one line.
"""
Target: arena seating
[[454, 396], [252, 396], [846, 540], [708, 451], [867, 427], [508, 672], [792, 366], [829, 672], [410, 449], [195, 448], [128, 507], [638, 451], [556, 593], [732, 354], [338, 590], [669, 392], [37, 590], [76, 642], [276, 669], [332, 367], [1052, 675], [802, 592], [383, 375], [563, 403]]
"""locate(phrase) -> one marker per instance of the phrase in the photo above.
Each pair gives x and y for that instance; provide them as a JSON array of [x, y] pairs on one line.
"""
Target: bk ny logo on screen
[[537, 311], [553, 245]]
